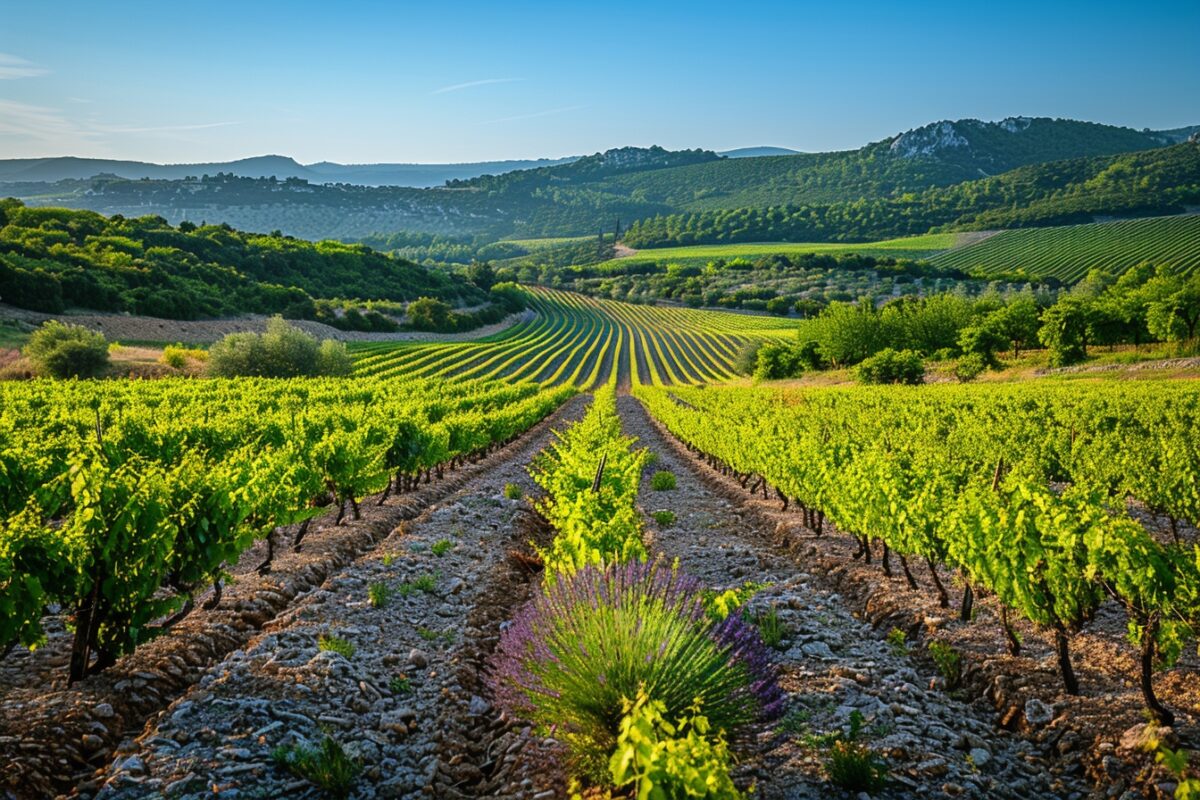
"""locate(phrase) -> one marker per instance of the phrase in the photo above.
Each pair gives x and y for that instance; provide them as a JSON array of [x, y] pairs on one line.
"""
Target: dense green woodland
[[1148, 183], [54, 258]]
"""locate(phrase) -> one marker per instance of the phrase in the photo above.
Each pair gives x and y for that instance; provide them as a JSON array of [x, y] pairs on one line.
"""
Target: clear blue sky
[[468, 81]]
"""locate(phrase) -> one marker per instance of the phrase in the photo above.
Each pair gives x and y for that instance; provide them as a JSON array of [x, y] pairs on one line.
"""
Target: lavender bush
[[594, 639]]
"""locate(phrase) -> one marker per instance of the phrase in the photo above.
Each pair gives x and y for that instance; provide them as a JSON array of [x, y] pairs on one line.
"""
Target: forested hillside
[[52, 258], [896, 184], [1146, 183]]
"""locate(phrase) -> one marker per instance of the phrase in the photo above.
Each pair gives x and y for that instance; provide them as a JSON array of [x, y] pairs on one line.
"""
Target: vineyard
[[370, 586], [1020, 492], [122, 501], [1068, 253], [586, 342]]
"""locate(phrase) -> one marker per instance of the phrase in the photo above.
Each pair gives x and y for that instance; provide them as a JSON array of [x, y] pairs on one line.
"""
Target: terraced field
[[1070, 251], [587, 342]]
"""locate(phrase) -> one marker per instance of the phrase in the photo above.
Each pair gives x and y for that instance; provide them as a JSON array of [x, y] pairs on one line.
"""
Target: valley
[[599, 402]]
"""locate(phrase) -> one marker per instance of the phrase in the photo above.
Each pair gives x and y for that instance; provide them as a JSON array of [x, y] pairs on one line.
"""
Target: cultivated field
[[587, 342], [1069, 252]]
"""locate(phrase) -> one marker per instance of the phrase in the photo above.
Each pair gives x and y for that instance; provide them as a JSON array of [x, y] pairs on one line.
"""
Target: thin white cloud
[[163, 128], [50, 130], [36, 122], [471, 84], [16, 67], [548, 112]]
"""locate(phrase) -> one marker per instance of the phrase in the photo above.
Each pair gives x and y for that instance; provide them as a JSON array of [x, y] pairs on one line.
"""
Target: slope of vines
[[1069, 252], [587, 342], [121, 501], [1020, 489]]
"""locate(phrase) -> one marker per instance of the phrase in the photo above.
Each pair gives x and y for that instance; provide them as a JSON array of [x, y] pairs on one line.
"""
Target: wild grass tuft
[[335, 644], [325, 765], [662, 481]]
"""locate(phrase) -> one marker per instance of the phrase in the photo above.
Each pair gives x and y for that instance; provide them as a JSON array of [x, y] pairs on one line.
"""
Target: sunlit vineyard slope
[[587, 342]]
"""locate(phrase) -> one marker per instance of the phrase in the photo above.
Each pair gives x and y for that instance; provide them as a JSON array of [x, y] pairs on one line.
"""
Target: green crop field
[[907, 247], [1069, 252], [586, 342]]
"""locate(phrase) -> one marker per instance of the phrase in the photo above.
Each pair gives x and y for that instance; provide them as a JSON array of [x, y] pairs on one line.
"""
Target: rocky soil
[[1095, 738], [416, 611], [834, 664]]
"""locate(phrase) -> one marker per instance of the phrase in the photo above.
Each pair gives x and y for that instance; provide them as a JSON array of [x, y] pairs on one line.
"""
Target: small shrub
[[948, 662], [651, 459], [441, 547], [852, 764], [388, 559], [892, 366], [400, 685], [333, 359], [660, 759], [424, 583], [663, 518], [512, 491], [67, 351], [177, 356], [335, 644], [326, 765], [284, 351], [662, 481], [589, 641], [897, 640], [856, 767], [378, 594], [770, 628], [969, 367]]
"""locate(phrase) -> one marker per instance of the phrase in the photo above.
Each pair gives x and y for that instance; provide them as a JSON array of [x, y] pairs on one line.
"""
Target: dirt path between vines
[[833, 663], [408, 702], [53, 737]]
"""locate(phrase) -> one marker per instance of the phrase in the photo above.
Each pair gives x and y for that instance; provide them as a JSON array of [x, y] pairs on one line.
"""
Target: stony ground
[[833, 663], [406, 699], [401, 683]]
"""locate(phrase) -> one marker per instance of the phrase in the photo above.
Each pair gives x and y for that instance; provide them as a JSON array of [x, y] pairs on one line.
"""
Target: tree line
[[1141, 306]]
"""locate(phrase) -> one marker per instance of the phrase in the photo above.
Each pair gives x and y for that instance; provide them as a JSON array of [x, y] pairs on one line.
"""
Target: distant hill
[[52, 170], [583, 196]]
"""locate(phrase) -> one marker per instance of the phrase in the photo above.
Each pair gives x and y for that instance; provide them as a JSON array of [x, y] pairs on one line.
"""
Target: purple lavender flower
[[593, 639]]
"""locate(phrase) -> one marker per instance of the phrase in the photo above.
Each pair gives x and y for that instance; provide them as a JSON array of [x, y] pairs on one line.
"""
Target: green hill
[[596, 192], [54, 258], [1161, 181], [1070, 252]]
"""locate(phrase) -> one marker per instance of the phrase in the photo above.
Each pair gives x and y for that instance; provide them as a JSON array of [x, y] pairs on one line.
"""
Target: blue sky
[[468, 81]]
